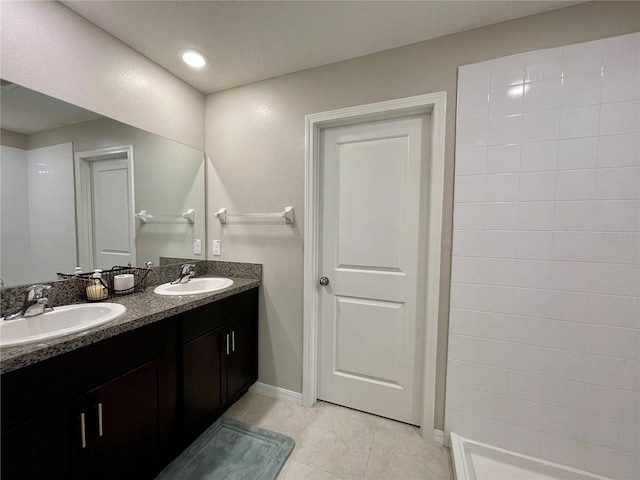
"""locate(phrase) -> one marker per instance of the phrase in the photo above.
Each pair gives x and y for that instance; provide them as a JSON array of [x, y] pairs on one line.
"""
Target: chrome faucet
[[187, 271], [34, 304]]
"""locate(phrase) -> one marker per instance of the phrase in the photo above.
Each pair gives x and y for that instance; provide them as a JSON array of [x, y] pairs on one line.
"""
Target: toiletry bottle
[[96, 290]]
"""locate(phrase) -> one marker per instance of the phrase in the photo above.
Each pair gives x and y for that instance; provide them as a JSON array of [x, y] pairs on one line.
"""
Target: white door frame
[[84, 202], [434, 104]]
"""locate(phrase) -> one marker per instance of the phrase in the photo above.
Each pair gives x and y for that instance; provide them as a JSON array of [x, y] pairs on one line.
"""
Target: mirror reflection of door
[[112, 233], [106, 229]]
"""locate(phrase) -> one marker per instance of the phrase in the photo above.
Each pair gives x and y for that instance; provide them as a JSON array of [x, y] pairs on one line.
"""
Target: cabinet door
[[124, 431], [202, 386], [241, 362], [47, 446]]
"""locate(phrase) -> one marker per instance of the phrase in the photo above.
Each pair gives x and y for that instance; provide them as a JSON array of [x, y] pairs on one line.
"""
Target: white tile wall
[[38, 225], [544, 338], [52, 211], [14, 216]]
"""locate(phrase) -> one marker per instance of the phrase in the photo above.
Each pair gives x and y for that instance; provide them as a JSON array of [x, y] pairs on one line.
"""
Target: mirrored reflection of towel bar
[[144, 217]]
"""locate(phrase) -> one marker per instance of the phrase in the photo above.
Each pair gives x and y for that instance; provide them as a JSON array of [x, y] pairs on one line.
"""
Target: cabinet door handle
[[227, 335], [83, 433], [100, 431], [233, 341]]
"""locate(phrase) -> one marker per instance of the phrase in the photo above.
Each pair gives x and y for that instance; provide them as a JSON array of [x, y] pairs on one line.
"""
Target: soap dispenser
[[96, 290]]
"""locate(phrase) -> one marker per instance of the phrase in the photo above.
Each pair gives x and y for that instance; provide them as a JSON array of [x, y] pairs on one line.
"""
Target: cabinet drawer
[[207, 318]]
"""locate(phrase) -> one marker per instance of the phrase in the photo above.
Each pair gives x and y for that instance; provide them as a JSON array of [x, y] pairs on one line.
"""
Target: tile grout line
[[373, 439], [331, 430], [251, 407], [319, 469]]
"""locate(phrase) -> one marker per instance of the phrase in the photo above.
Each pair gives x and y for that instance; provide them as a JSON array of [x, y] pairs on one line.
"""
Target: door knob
[[324, 281]]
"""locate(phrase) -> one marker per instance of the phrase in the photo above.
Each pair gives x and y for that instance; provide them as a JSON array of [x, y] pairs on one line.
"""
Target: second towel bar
[[287, 214]]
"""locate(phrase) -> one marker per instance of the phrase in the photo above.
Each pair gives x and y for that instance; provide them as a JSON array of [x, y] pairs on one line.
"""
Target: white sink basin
[[58, 322], [194, 286]]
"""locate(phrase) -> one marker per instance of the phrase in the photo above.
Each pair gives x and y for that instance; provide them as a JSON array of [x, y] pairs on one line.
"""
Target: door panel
[[371, 193], [379, 358], [111, 213], [202, 382], [124, 443], [242, 361], [47, 446], [372, 179], [370, 283]]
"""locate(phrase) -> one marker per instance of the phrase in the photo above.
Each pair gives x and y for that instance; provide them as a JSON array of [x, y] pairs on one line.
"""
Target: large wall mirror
[[80, 189]]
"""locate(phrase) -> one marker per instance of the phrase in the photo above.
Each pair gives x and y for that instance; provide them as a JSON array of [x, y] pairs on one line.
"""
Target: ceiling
[[251, 41], [25, 111]]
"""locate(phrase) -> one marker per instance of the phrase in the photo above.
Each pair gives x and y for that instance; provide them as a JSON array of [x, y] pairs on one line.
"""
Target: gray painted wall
[[255, 144]]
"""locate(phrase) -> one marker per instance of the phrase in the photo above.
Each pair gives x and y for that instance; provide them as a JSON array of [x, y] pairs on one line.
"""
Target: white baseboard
[[277, 393], [438, 437]]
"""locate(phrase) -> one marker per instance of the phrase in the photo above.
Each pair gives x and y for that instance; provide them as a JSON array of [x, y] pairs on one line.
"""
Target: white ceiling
[[26, 111], [251, 41]]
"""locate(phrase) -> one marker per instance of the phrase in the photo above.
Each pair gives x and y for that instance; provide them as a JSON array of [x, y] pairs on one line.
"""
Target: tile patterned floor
[[337, 443]]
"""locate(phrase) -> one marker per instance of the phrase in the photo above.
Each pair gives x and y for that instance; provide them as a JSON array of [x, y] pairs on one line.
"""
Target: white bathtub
[[479, 461]]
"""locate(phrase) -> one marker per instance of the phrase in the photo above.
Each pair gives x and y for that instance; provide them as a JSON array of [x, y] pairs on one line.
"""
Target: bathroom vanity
[[121, 401]]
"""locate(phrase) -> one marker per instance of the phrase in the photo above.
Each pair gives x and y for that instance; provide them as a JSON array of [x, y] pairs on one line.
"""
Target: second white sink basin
[[58, 322], [194, 286]]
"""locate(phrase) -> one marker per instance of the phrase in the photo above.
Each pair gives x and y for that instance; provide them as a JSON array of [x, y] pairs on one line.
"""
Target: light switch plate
[[216, 248], [197, 246]]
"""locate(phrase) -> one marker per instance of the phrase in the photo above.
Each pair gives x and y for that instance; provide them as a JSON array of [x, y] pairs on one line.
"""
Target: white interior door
[[112, 235], [370, 355]]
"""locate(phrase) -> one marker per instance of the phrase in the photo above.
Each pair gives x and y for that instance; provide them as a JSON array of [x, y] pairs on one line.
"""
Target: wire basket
[[84, 280]]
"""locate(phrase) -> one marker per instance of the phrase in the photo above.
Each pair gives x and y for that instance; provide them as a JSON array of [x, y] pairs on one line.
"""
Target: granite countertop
[[143, 308]]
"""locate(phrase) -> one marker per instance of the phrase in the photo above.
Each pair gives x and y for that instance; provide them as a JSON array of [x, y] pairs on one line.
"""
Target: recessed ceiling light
[[193, 58]]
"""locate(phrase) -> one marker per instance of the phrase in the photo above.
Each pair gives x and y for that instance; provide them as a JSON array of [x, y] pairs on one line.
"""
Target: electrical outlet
[[216, 248], [197, 246]]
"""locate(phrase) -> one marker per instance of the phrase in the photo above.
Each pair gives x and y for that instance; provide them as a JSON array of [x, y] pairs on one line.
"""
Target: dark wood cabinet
[[107, 419], [123, 430], [111, 432], [48, 446], [241, 360], [219, 359], [202, 383], [124, 407]]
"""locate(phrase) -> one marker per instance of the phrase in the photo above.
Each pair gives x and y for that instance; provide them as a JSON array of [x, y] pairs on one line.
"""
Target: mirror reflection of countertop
[[142, 309]]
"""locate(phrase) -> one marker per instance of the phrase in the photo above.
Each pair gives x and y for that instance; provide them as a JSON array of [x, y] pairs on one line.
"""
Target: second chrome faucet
[[187, 271]]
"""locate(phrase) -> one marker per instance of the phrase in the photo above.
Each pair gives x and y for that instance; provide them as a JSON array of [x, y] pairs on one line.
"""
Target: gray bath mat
[[231, 450]]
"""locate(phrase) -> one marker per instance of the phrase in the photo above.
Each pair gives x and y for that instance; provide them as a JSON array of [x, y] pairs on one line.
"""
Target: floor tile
[[280, 416], [338, 441], [243, 405], [334, 442], [300, 471], [399, 452], [334, 452]]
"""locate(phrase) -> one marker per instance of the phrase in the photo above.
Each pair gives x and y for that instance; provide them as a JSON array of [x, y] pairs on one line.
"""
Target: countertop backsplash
[[66, 292]]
